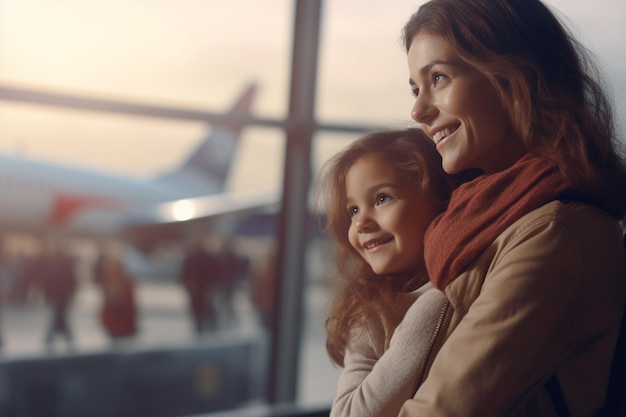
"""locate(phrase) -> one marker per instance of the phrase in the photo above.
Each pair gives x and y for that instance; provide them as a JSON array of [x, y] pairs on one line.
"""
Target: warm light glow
[[183, 210]]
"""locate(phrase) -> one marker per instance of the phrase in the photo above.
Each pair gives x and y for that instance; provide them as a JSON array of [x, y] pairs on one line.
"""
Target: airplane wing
[[205, 208], [146, 227]]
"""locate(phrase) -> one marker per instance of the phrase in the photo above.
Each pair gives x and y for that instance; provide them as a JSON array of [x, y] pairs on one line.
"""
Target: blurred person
[[233, 269], [118, 313], [262, 287], [59, 283], [198, 275]]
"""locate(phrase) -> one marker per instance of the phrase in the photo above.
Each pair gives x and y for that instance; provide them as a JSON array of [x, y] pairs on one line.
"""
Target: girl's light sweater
[[382, 365]]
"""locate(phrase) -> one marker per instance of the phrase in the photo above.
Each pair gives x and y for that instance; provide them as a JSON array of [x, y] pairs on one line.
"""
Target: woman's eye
[[438, 77]]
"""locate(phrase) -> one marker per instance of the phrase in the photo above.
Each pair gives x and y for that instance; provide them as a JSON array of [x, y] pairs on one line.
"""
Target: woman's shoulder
[[568, 219], [582, 238], [562, 209], [569, 230]]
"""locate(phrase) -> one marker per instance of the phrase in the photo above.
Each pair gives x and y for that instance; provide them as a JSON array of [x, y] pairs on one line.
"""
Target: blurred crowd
[[211, 275]]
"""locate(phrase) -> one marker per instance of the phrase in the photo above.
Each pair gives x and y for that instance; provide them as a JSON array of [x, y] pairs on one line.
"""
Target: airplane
[[42, 198]]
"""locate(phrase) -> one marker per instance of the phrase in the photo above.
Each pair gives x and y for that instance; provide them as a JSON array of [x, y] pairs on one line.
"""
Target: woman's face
[[388, 216], [459, 109]]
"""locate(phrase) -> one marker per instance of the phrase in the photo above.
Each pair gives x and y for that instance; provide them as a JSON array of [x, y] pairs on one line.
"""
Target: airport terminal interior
[[162, 250]]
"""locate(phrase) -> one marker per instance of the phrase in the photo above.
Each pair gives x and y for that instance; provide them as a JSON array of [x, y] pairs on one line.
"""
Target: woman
[[383, 190], [529, 254]]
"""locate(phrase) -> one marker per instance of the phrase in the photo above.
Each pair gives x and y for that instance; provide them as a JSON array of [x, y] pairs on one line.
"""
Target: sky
[[199, 54]]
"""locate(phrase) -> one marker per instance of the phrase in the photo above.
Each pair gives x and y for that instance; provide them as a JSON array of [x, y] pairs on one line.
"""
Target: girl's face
[[459, 109], [388, 216]]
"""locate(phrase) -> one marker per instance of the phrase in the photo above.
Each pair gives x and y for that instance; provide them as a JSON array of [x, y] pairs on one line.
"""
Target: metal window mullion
[[287, 320]]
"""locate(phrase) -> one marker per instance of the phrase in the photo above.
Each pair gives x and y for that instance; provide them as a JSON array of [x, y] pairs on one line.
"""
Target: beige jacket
[[546, 296]]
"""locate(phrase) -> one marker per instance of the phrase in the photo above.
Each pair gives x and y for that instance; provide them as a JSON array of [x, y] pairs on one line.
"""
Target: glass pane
[[363, 74], [145, 337], [196, 342], [186, 53]]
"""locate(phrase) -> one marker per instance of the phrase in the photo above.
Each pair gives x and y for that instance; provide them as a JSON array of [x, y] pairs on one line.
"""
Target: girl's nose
[[365, 223]]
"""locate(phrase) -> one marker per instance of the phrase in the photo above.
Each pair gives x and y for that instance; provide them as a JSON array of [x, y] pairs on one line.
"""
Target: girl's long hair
[[546, 81], [360, 291]]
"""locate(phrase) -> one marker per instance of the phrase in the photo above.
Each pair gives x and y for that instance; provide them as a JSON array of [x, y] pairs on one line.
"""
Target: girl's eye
[[437, 78], [353, 211], [382, 199], [415, 92]]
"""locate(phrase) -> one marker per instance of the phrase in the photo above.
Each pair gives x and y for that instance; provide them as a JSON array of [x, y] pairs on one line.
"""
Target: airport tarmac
[[164, 323]]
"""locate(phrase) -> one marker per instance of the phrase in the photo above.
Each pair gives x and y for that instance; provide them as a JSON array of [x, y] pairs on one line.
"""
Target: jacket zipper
[[433, 339]]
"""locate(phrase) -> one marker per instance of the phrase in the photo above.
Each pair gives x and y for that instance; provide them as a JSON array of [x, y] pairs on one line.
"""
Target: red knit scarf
[[482, 209]]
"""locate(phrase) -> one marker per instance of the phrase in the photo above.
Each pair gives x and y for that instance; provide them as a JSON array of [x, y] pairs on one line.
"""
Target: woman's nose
[[423, 109]]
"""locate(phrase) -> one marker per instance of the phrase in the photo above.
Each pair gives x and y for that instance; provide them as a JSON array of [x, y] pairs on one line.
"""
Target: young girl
[[382, 192]]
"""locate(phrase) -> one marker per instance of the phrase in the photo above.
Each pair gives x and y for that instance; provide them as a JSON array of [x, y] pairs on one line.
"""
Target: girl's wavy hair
[[360, 292], [546, 81]]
